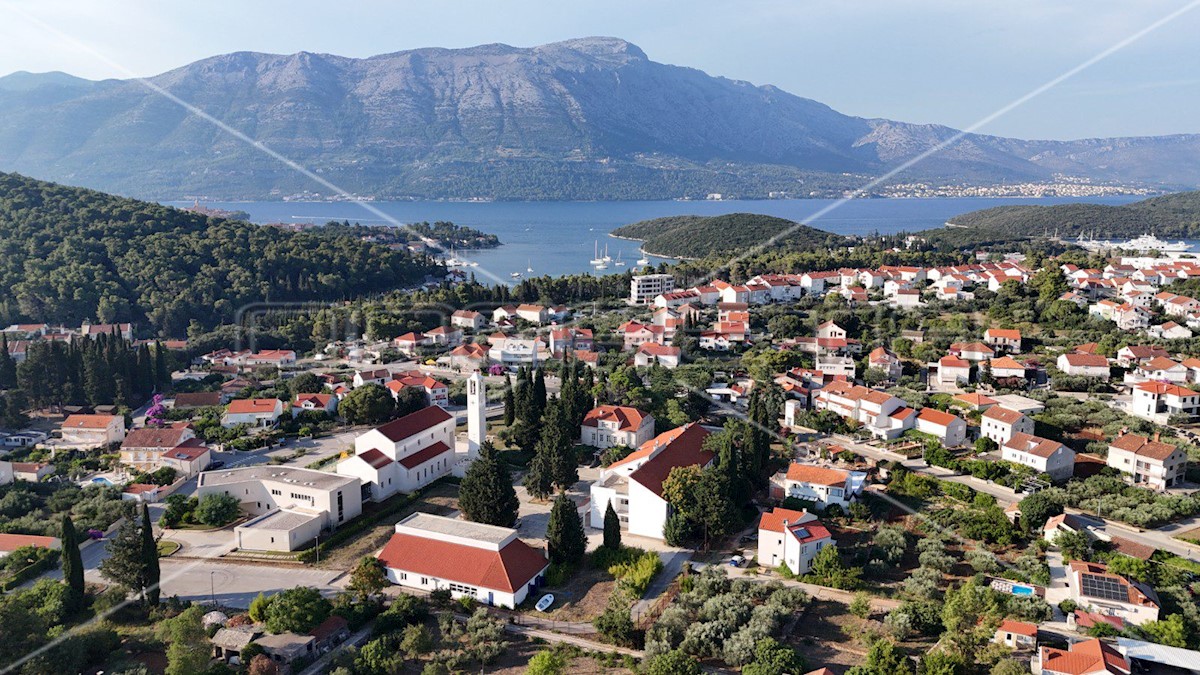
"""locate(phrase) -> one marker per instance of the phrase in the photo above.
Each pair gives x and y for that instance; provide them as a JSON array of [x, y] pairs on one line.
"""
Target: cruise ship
[[1146, 242]]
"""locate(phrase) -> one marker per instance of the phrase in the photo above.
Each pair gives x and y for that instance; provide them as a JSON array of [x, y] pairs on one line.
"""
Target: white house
[[1158, 400], [1003, 339], [1000, 424], [485, 563], [1099, 591], [92, 431], [821, 485], [326, 403], [951, 430], [883, 360], [465, 318], [1041, 454], [830, 329], [256, 412], [1084, 365], [143, 449], [1148, 463], [664, 355], [403, 455], [634, 485], [886, 416], [952, 370], [611, 425], [1007, 367], [792, 538]]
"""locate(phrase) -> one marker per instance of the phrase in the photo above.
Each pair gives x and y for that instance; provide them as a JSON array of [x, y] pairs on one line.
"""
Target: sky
[[953, 62]]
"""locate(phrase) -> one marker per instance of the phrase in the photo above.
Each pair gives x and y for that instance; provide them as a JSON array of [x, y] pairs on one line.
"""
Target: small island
[[441, 234], [701, 236]]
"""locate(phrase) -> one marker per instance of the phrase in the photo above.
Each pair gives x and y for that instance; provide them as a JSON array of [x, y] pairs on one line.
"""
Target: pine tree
[[539, 395], [612, 528], [150, 558], [557, 446], [162, 374], [510, 403], [564, 532], [486, 494], [539, 479], [126, 561], [72, 562]]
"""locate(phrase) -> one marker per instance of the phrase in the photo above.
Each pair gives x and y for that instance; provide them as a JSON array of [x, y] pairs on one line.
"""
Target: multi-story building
[[643, 288], [951, 430], [884, 415], [823, 486], [143, 449], [792, 538], [1096, 590], [1041, 454], [634, 485], [1000, 424], [607, 426], [403, 455], [92, 431], [1148, 463], [1160, 400]]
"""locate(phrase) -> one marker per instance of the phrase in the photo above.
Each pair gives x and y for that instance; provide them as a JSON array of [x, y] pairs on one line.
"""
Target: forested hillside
[[700, 236], [1174, 215], [69, 254]]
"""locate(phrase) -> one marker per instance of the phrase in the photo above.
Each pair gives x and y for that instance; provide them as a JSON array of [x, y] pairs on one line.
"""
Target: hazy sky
[[946, 61]]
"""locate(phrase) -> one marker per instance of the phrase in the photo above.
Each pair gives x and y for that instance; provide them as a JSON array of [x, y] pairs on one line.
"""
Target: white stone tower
[[476, 414]]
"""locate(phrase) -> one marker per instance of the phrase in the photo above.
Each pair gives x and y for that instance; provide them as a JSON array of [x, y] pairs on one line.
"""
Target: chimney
[[1156, 435]]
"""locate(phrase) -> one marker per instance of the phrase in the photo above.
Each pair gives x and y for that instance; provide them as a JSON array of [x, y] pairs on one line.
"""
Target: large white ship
[[1146, 242]]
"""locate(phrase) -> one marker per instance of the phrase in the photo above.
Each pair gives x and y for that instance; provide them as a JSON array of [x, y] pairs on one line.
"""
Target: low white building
[[465, 318], [255, 412], [1041, 454], [792, 538], [403, 455], [1000, 424], [485, 563], [1084, 365], [1148, 463], [611, 425], [329, 498], [951, 430], [634, 485], [664, 355]]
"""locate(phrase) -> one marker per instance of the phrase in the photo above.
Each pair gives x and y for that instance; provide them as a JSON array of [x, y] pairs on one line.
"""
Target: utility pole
[[212, 587]]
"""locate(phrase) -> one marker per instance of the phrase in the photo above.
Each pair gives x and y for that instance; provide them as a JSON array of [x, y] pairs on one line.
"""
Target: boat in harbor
[[619, 262], [643, 261], [596, 259], [1145, 242], [529, 265]]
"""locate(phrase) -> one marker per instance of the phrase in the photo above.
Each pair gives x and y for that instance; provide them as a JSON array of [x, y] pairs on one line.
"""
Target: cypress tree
[[539, 395], [72, 562], [612, 528], [510, 403], [8, 367], [557, 446], [486, 494], [150, 558], [162, 374], [564, 532]]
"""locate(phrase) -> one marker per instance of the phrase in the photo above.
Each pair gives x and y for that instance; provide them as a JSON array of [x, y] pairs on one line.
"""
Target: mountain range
[[591, 118]]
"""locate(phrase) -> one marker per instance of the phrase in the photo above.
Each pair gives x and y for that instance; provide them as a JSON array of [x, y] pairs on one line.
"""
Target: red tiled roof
[[1019, 628], [414, 423], [937, 417], [772, 520], [1003, 333], [679, 447], [627, 419], [1034, 445], [1086, 360], [424, 455], [375, 458], [199, 399], [1002, 414], [508, 569], [252, 405], [190, 450], [1084, 658], [816, 475], [321, 400], [154, 438], [1140, 445], [12, 542], [88, 421]]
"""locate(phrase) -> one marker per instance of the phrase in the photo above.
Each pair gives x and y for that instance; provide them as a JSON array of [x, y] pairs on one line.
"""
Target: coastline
[[643, 251]]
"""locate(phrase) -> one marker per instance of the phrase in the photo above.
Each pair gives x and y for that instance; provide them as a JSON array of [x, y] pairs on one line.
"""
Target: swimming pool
[[1021, 590], [101, 480]]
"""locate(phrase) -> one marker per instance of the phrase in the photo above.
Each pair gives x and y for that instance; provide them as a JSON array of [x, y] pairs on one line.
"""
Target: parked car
[[737, 561]]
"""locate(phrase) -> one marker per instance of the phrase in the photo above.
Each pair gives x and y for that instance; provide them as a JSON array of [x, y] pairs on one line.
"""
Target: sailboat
[[606, 257], [619, 262], [529, 265], [643, 260], [596, 259]]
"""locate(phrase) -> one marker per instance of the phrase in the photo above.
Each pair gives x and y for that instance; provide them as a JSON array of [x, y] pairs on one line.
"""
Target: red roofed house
[[143, 448], [314, 403], [824, 486], [403, 455], [610, 425], [188, 458], [93, 431], [12, 542], [1090, 657], [792, 538], [1084, 365], [485, 563], [1003, 339], [1016, 635], [1095, 589], [409, 343], [951, 430], [436, 392], [953, 370], [256, 412], [1146, 462], [1158, 401], [1000, 424], [885, 361], [1007, 367], [465, 318], [665, 355], [445, 337], [1042, 454], [634, 484]]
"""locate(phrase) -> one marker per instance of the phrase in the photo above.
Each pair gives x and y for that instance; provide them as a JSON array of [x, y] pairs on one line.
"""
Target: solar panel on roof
[[1104, 588]]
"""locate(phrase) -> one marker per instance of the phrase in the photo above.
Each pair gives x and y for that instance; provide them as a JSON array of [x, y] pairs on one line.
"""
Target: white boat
[[601, 265], [643, 260], [596, 259], [619, 263], [544, 602], [529, 266], [606, 257], [1145, 242], [515, 275]]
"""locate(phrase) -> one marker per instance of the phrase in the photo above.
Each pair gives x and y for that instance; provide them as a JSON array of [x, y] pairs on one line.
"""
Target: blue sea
[[558, 238]]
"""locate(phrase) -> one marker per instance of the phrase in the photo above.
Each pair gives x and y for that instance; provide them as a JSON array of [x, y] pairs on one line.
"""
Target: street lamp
[[212, 587]]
